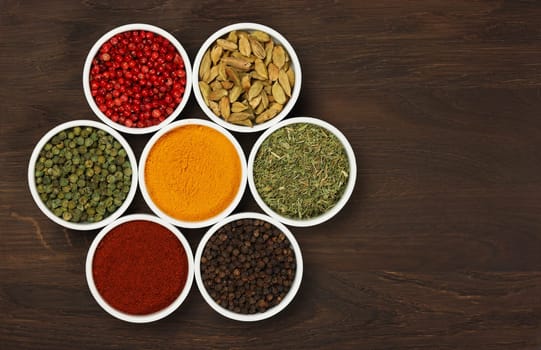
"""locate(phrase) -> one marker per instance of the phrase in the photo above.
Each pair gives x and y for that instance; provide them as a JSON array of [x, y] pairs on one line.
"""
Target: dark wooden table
[[440, 244]]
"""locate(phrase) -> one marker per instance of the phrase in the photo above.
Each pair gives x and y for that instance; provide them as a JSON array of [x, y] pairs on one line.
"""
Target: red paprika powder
[[140, 267]]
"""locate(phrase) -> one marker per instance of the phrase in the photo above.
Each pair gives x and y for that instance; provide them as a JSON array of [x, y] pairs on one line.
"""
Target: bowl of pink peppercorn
[[137, 78]]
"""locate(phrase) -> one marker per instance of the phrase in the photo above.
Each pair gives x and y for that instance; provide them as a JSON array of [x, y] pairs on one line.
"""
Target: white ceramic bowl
[[278, 38], [139, 318], [349, 186], [175, 221], [88, 64], [257, 316], [32, 181]]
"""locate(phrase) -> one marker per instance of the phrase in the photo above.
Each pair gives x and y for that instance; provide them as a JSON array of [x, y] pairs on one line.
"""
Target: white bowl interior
[[347, 191], [94, 50], [139, 318], [32, 181], [278, 38], [257, 316], [175, 221]]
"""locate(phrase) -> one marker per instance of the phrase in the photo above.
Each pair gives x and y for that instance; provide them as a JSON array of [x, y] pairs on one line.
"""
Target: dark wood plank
[[440, 245]]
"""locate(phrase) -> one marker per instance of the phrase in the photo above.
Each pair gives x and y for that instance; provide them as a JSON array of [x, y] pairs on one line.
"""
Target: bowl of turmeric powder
[[193, 173]]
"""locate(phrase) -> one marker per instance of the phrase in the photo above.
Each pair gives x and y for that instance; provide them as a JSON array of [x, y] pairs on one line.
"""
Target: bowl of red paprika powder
[[139, 268], [137, 78]]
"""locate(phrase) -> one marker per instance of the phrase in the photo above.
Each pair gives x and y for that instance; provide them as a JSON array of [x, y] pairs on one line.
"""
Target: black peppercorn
[[248, 266]]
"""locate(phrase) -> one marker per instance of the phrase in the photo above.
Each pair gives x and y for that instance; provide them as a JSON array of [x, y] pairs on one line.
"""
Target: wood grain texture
[[440, 245]]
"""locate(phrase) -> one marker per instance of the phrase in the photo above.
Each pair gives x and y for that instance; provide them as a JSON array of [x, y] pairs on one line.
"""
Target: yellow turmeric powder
[[193, 173]]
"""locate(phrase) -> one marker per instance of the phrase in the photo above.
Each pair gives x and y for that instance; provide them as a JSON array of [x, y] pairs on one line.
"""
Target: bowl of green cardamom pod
[[82, 175], [246, 77], [302, 171]]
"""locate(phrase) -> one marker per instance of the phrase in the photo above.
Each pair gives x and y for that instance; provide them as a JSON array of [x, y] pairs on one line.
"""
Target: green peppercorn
[[82, 174], [56, 172], [56, 203]]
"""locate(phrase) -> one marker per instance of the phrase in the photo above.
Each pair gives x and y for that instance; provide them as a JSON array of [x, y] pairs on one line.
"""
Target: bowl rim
[[292, 290], [32, 182], [131, 27], [155, 315], [192, 224], [277, 38], [347, 191]]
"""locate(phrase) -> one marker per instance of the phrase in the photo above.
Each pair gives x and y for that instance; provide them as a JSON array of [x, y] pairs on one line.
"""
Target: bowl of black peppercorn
[[248, 267]]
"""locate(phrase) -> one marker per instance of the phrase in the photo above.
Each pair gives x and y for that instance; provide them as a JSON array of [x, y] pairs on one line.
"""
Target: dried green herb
[[301, 170]]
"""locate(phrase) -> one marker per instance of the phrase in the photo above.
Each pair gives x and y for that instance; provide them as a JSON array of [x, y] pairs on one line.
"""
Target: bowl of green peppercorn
[[302, 171], [82, 174]]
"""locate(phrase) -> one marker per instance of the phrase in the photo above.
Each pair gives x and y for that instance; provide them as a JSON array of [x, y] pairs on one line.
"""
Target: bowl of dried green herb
[[302, 171], [82, 174], [248, 267]]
